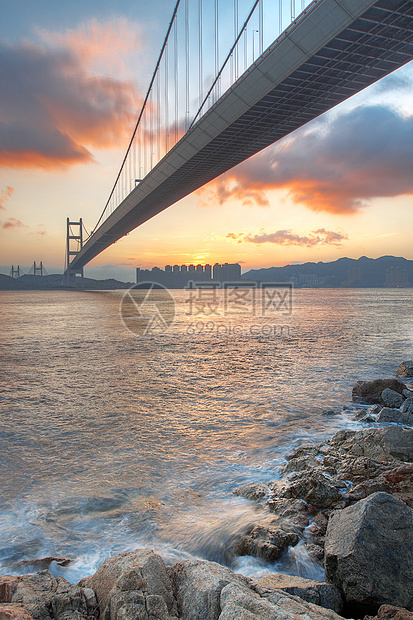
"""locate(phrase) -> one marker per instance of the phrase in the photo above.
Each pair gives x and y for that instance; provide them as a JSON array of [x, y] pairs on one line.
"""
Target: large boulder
[[320, 593], [370, 392], [43, 597], [405, 369], [209, 591], [198, 586], [133, 585], [369, 553]]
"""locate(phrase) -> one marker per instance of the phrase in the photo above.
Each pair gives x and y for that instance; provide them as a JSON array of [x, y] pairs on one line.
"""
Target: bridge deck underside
[[375, 44]]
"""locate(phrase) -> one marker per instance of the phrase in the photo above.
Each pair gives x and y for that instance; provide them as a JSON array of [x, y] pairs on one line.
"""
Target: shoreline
[[370, 468]]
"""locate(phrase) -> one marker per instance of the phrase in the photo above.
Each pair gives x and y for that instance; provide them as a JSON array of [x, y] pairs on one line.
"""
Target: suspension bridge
[[210, 104]]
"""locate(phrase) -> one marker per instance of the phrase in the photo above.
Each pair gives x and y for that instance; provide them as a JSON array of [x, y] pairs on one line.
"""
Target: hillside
[[363, 272]]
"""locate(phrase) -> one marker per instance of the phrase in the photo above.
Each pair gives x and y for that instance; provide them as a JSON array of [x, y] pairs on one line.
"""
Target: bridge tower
[[38, 269], [73, 236], [15, 271]]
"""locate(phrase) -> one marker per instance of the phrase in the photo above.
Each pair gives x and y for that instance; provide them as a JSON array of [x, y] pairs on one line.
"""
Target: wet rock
[[313, 487], [408, 393], [405, 369], [369, 553], [407, 406], [254, 491], [390, 612], [292, 510], [44, 563], [329, 412], [381, 444], [395, 416], [322, 594], [393, 399], [43, 597], [368, 418], [374, 409], [300, 464], [267, 542], [370, 392], [129, 584]]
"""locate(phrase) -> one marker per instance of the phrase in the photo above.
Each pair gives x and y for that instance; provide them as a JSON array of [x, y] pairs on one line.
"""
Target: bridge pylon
[[38, 269], [16, 272], [73, 236]]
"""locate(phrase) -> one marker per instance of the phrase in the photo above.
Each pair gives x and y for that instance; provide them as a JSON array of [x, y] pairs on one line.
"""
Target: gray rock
[[314, 487], [13, 611], [374, 409], [198, 587], [407, 406], [369, 553], [209, 591], [396, 416], [370, 392], [368, 418], [378, 444], [390, 398], [254, 491], [408, 393], [42, 597], [406, 369], [267, 541], [322, 594], [128, 584], [387, 414]]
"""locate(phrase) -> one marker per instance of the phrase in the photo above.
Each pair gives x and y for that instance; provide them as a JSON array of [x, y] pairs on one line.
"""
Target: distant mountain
[[346, 272], [55, 281]]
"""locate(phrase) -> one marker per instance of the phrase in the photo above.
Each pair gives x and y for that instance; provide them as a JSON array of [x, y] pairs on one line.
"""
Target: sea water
[[112, 440]]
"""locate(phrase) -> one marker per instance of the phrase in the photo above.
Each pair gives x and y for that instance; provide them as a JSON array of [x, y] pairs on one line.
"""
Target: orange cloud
[[321, 236], [12, 223], [54, 107], [335, 167], [5, 195], [101, 46]]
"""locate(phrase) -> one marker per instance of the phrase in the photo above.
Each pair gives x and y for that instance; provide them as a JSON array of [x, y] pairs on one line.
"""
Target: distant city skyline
[[341, 186]]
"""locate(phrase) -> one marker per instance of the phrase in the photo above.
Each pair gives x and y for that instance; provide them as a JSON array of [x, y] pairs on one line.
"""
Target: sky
[[73, 76]]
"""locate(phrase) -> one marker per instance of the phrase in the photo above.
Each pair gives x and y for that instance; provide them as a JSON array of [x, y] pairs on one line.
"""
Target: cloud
[[95, 42], [5, 195], [321, 236], [335, 166], [54, 108], [11, 223]]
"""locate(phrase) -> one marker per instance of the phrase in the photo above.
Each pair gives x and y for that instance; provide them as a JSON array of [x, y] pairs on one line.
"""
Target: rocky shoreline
[[347, 501]]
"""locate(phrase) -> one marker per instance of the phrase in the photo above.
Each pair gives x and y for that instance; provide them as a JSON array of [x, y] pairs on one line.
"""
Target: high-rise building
[[217, 272]]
